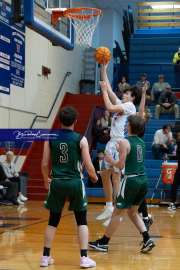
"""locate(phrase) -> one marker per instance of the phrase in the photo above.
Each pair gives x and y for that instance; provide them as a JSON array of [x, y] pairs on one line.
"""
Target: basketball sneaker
[[46, 260], [106, 214], [87, 262], [171, 207], [22, 198], [147, 246], [98, 245], [148, 222], [106, 223], [19, 201]]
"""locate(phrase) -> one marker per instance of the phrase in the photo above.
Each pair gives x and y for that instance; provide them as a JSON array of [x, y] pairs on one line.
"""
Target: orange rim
[[69, 13]]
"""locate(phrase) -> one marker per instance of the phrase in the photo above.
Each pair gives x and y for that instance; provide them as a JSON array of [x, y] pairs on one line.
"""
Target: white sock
[[109, 205], [145, 218]]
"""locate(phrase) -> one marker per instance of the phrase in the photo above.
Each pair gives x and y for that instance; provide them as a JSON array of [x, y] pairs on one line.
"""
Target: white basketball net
[[85, 28]]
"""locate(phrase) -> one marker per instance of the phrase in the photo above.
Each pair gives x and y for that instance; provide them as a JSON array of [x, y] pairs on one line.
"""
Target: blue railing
[[44, 117]]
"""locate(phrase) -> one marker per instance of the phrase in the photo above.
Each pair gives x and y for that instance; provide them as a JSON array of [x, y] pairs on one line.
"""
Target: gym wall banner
[[5, 58], [17, 59], [12, 50]]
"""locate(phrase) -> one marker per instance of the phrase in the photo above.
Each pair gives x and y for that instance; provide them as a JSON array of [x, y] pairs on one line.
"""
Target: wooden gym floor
[[22, 231]]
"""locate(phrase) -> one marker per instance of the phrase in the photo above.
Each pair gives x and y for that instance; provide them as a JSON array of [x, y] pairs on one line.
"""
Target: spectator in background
[[141, 85], [99, 134], [163, 141], [12, 174], [97, 163], [122, 86], [175, 147], [176, 182], [176, 61], [11, 191], [167, 103], [158, 88], [106, 121]]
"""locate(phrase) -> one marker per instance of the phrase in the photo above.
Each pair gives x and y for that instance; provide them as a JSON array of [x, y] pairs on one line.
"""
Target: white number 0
[[139, 153], [64, 157]]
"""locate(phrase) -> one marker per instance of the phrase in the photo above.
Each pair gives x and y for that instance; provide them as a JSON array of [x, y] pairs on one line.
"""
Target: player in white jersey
[[122, 110]]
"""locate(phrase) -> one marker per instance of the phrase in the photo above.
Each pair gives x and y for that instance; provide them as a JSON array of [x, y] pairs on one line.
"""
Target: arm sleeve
[[160, 100], [156, 138], [15, 171], [148, 86], [152, 91], [175, 58], [139, 83], [96, 132], [128, 107], [170, 135], [2, 174], [118, 101], [174, 100], [103, 124], [6, 171]]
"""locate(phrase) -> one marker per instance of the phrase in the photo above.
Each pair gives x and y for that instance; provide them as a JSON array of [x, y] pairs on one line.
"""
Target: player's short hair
[[165, 126], [67, 116], [135, 92], [136, 123], [100, 151], [147, 115]]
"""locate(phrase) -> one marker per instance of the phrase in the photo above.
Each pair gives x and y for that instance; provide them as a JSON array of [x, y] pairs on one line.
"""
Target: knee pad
[[54, 219], [80, 217]]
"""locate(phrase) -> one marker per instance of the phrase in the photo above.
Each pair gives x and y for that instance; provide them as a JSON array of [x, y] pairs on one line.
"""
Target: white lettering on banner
[[4, 88], [18, 61], [18, 35], [18, 56], [5, 55], [18, 41], [4, 67], [13, 64], [8, 8], [4, 19], [3, 14], [4, 61], [5, 39]]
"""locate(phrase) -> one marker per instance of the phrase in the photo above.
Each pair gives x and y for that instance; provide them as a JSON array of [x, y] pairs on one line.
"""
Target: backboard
[[38, 17]]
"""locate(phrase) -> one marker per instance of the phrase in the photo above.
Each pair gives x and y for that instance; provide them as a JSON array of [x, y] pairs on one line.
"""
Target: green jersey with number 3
[[66, 155], [136, 158]]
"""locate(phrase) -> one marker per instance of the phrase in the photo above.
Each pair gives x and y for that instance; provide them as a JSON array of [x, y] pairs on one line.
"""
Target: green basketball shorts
[[60, 190], [132, 191]]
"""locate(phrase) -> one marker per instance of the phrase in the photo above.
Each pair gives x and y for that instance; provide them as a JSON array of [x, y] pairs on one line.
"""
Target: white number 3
[[64, 149]]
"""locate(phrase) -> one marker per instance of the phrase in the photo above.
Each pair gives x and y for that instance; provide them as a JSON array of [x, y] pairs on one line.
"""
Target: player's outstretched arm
[[124, 149], [45, 164], [143, 99], [111, 94], [109, 106], [87, 160]]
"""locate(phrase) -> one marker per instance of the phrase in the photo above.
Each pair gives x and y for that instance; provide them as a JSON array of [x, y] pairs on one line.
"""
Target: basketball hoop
[[84, 22]]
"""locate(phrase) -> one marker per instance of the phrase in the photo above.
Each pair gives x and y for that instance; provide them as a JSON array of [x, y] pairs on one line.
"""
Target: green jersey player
[[133, 187], [66, 173]]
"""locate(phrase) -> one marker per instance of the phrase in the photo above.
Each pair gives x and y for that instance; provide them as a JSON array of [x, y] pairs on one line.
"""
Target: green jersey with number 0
[[135, 159], [66, 155]]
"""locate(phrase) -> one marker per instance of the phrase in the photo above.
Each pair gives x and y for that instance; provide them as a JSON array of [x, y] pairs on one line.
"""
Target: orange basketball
[[102, 55]]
